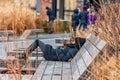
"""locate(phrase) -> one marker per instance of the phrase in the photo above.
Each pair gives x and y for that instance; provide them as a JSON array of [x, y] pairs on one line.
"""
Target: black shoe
[[79, 28], [50, 32]]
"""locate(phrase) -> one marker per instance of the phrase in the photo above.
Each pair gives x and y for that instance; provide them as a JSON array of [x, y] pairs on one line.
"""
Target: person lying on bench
[[57, 54]]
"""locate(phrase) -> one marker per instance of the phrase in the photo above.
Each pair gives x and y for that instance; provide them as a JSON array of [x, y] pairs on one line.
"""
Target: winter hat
[[75, 10], [84, 8]]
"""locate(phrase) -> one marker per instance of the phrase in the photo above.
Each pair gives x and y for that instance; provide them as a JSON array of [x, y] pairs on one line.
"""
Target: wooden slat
[[66, 73], [56, 77], [6, 32], [3, 68], [75, 71], [94, 52], [87, 58], [19, 45], [2, 52], [40, 71], [82, 67], [100, 45], [25, 34], [37, 30], [34, 58], [79, 53], [89, 46], [74, 64], [93, 39], [28, 69], [49, 71], [57, 73], [10, 77], [59, 35], [27, 77]]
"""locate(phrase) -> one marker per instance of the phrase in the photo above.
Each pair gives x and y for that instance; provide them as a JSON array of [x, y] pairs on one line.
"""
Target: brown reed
[[107, 65], [16, 18]]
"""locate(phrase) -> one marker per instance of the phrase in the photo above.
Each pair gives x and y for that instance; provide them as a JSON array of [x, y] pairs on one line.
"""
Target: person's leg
[[30, 49], [80, 26], [41, 45], [74, 30], [48, 52], [84, 26], [51, 26], [74, 33], [32, 46]]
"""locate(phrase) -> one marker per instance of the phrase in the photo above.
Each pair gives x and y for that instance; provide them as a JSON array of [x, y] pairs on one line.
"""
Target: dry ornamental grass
[[16, 18], [107, 65]]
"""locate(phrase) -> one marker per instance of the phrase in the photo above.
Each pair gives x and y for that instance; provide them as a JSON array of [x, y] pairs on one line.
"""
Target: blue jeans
[[84, 25], [48, 51]]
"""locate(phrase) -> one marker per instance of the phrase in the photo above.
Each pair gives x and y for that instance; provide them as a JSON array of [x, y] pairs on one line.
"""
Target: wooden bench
[[4, 35], [26, 77], [12, 50], [30, 31], [57, 70], [14, 77]]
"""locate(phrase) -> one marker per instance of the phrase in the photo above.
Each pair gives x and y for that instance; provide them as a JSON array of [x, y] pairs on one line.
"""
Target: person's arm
[[70, 45], [71, 53]]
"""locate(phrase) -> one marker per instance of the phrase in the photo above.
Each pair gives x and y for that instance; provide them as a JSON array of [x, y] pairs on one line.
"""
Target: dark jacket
[[75, 19], [63, 54], [50, 14], [58, 54], [83, 16]]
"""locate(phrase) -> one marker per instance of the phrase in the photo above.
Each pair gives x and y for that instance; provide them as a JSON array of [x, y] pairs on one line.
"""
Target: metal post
[[36, 53], [54, 6], [61, 10], [37, 6]]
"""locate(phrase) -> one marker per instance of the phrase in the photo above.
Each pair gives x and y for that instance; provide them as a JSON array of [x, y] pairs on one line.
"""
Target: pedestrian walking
[[91, 18], [51, 17], [75, 21], [83, 18]]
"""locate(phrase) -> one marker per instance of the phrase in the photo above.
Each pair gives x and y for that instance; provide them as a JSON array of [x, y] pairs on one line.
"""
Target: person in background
[[93, 23], [51, 17], [93, 16], [79, 11], [89, 17], [86, 3], [83, 18], [57, 54], [75, 21]]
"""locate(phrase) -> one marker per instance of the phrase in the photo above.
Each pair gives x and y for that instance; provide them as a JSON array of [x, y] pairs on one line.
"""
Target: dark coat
[[50, 14], [83, 16], [63, 54], [58, 54], [75, 19]]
